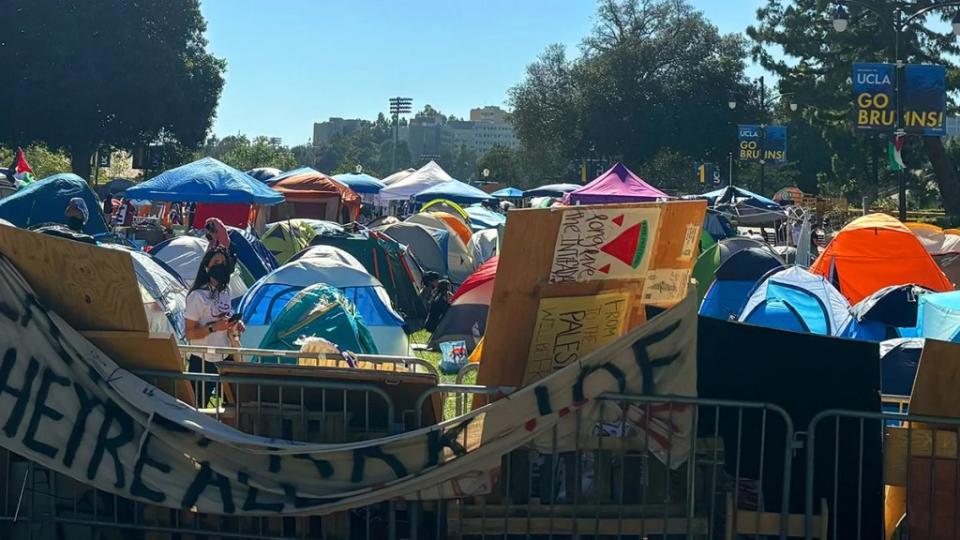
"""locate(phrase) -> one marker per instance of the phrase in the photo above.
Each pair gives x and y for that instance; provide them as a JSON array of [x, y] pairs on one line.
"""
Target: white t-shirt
[[206, 308]]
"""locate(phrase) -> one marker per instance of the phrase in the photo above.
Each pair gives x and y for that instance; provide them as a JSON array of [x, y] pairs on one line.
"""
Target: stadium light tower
[[398, 106]]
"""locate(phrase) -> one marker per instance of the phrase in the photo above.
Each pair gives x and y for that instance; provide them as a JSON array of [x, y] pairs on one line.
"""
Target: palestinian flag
[[895, 153], [22, 173]]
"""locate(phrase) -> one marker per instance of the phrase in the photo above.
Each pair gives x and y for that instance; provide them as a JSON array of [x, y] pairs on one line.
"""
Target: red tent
[[312, 194]]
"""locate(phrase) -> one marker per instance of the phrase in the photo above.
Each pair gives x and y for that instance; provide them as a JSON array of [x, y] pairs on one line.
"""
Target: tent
[[459, 259], [425, 177], [796, 300], [389, 262], [397, 176], [942, 245], [617, 185], [876, 251], [455, 191], [483, 218], [718, 226], [421, 244], [254, 257], [888, 313], [336, 268], [264, 174], [448, 206], [899, 360], [466, 319], [220, 191], [711, 259], [443, 220], [743, 207], [285, 239], [483, 245], [938, 316], [114, 187], [43, 202], [360, 183], [311, 194], [551, 190], [508, 193], [735, 279], [317, 311], [163, 292], [183, 255]]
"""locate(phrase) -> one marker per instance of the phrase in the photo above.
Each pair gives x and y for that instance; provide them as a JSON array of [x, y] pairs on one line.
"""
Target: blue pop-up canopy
[[508, 193], [205, 181], [45, 200], [360, 182], [453, 190]]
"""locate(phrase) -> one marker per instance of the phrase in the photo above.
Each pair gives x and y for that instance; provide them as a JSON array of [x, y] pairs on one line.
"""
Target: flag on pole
[[21, 170], [895, 153]]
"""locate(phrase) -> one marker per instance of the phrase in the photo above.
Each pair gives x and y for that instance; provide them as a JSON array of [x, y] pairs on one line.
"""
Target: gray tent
[[421, 244]]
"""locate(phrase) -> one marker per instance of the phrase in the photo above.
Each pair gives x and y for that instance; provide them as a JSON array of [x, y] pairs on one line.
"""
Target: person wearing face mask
[[218, 238]]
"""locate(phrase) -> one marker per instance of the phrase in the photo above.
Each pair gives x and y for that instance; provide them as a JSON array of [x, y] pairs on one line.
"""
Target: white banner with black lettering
[[67, 406]]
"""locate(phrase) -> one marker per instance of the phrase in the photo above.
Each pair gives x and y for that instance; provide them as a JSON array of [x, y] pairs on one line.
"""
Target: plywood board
[[135, 351], [528, 271], [92, 288], [938, 378], [902, 445]]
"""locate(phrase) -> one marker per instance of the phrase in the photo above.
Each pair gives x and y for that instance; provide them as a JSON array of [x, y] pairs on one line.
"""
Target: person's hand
[[238, 327], [220, 325]]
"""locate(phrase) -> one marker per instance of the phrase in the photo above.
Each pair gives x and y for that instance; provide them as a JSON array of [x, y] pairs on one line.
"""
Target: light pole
[[763, 131], [841, 20], [398, 106]]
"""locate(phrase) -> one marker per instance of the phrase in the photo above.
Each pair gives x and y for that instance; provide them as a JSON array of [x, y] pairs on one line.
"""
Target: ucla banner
[[925, 100], [873, 93], [769, 146]]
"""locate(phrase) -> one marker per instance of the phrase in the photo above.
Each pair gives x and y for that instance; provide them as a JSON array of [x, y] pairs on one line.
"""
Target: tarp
[[551, 190], [427, 176], [360, 182], [183, 255], [938, 316], [617, 185], [45, 200], [466, 319], [205, 181], [796, 300], [113, 431], [876, 251], [455, 191], [508, 193], [311, 194], [744, 207]]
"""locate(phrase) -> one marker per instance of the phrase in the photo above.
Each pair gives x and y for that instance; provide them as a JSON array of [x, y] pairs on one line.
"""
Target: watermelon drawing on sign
[[630, 245]]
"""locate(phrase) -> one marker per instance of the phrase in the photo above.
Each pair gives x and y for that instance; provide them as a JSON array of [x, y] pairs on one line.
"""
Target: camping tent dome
[[164, 293], [484, 218], [336, 268], [183, 255], [794, 299], [459, 260], [735, 279], [254, 257], [421, 243], [311, 194], [888, 313], [938, 316], [876, 251], [704, 270], [617, 184], [45, 200], [466, 319]]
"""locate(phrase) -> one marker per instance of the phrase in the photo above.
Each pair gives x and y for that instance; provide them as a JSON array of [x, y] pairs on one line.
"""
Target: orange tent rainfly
[[314, 195], [876, 251]]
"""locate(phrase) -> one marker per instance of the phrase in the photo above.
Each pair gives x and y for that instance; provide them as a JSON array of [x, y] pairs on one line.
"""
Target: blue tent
[[551, 190], [735, 279], [483, 218], [938, 316], [45, 200], [888, 313], [794, 299], [746, 207], [252, 254], [360, 183], [899, 359], [453, 190], [508, 193], [205, 181], [718, 227]]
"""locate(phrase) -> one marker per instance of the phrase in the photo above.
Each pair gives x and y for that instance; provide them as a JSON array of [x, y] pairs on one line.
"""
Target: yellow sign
[[568, 328]]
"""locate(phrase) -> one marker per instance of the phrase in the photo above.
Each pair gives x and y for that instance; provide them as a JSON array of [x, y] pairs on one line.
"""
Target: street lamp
[[732, 104], [840, 20], [359, 168]]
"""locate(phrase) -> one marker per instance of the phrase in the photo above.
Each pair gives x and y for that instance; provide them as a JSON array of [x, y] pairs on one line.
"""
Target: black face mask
[[75, 223], [221, 273]]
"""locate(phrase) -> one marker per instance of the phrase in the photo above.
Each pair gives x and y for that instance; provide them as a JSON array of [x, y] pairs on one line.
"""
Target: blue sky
[[293, 62]]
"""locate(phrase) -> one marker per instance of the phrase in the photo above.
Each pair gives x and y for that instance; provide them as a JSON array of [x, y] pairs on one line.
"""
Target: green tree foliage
[[816, 66], [80, 75], [242, 153], [502, 164], [653, 74], [42, 160]]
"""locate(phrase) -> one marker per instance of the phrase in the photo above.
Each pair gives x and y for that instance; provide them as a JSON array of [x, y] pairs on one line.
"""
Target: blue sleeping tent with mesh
[[794, 299], [252, 254], [938, 316], [888, 313], [735, 279]]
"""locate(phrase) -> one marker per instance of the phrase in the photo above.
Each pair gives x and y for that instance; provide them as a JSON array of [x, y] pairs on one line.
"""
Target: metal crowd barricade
[[901, 467]]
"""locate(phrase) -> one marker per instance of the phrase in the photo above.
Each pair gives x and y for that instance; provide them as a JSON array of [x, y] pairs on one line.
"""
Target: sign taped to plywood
[[597, 243]]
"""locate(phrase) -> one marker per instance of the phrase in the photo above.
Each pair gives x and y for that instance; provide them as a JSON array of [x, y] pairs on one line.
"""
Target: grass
[[449, 406]]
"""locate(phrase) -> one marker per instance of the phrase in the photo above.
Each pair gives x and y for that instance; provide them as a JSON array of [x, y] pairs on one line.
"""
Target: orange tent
[[314, 195], [455, 224], [876, 251]]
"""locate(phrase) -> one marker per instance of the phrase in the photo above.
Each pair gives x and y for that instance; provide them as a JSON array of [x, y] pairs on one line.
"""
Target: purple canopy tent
[[618, 184]]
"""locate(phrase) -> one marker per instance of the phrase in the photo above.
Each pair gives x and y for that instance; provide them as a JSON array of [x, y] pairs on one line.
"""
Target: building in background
[[487, 127], [324, 131], [490, 113]]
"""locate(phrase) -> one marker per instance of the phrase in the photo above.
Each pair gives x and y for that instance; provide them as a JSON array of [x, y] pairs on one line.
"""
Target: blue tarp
[[453, 190], [483, 218], [508, 193], [205, 181], [360, 183], [45, 200]]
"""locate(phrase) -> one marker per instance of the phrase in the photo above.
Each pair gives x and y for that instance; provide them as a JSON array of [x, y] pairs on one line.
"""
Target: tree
[[42, 160], [815, 66], [501, 162], [112, 73], [464, 163], [652, 74], [241, 153]]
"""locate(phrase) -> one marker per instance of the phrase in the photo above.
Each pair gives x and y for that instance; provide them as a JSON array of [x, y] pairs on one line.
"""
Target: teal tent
[[44, 201], [317, 311]]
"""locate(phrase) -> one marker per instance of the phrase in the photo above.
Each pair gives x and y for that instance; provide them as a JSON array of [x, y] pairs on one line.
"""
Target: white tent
[[427, 176], [397, 176], [183, 255]]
